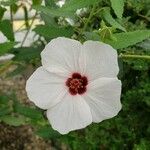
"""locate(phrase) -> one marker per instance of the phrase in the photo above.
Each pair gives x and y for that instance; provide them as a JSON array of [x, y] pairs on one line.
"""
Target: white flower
[[77, 84]]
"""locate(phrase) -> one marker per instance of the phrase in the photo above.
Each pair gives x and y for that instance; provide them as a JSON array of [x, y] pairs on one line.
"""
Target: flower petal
[[61, 56], [103, 97], [98, 60], [70, 114], [45, 89]]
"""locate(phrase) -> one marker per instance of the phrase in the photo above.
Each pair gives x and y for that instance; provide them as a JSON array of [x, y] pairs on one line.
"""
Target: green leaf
[[14, 121], [124, 40], [4, 111], [26, 53], [4, 99], [107, 16], [145, 45], [47, 132], [49, 20], [27, 111], [91, 36], [2, 11], [106, 33], [14, 8], [53, 32], [68, 9], [36, 2], [73, 5], [6, 28], [5, 47], [118, 7], [54, 12], [51, 3], [8, 2]]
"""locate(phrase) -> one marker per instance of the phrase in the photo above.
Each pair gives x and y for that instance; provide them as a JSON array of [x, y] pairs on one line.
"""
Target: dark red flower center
[[77, 84]]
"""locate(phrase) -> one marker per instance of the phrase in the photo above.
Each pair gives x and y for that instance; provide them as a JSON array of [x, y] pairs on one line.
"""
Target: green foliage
[[26, 54], [53, 32], [105, 33], [118, 7], [5, 47], [14, 121], [2, 11], [36, 2], [68, 9], [107, 16], [124, 40], [47, 132], [6, 28], [53, 12], [123, 24], [143, 145], [91, 36], [4, 111], [73, 5], [8, 2], [32, 113], [26, 18]]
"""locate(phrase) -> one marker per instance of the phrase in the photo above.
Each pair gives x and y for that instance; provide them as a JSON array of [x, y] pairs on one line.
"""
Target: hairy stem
[[124, 56]]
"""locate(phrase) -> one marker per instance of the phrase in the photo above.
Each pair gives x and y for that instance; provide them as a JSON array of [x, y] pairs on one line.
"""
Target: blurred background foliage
[[124, 24]]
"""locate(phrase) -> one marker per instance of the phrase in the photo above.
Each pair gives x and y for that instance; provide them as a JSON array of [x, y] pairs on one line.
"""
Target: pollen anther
[[77, 84]]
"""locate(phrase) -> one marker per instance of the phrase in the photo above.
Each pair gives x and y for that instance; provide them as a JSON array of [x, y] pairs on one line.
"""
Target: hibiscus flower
[[77, 83]]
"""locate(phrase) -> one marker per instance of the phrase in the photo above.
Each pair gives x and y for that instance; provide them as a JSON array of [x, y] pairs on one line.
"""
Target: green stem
[[11, 16], [89, 18], [144, 17], [124, 56], [25, 37]]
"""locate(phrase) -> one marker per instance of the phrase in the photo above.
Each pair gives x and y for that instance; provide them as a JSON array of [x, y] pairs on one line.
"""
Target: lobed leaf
[[124, 40], [4, 99]]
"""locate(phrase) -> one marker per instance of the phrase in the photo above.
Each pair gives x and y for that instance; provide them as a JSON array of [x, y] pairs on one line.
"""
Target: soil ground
[[19, 138]]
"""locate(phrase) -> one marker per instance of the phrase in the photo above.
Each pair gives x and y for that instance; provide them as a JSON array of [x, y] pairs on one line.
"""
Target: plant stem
[[11, 16], [25, 37], [144, 17], [124, 56], [89, 18]]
